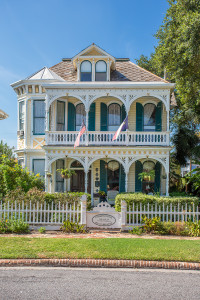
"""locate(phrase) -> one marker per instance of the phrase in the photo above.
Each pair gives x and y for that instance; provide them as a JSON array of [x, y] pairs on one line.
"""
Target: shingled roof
[[125, 71]]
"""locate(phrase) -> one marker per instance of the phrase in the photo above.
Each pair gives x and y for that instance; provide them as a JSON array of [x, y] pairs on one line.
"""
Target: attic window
[[101, 71], [37, 88], [30, 89], [86, 71]]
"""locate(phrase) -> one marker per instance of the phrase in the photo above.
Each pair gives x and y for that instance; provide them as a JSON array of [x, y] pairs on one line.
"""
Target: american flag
[[81, 131], [122, 127]]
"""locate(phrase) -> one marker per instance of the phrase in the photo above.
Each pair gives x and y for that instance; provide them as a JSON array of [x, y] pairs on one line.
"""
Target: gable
[[93, 52]]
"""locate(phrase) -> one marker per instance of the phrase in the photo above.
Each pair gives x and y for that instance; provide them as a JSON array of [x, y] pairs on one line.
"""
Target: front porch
[[109, 172]]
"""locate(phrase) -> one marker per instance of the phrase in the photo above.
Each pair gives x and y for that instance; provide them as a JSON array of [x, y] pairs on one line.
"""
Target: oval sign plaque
[[103, 220]]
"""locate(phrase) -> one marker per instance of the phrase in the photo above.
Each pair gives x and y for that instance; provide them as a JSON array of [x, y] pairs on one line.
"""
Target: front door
[[78, 181]]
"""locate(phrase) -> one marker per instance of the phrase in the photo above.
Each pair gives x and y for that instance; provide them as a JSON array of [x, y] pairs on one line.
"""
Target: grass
[[172, 250]]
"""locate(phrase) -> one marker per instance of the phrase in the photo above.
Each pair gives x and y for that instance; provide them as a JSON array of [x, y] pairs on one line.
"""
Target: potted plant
[[66, 173], [102, 196]]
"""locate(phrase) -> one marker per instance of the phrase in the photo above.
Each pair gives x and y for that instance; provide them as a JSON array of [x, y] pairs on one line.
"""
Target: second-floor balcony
[[104, 138]]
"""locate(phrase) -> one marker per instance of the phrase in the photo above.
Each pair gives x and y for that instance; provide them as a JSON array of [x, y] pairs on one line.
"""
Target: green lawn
[[177, 250]]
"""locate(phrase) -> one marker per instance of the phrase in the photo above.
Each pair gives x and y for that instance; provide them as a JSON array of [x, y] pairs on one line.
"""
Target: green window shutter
[[103, 176], [123, 113], [159, 117], [157, 177], [104, 117], [71, 116], [92, 117], [138, 182], [122, 180], [139, 117]]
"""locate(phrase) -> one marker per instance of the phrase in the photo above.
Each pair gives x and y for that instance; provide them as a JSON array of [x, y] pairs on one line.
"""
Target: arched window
[[101, 71], [114, 116], [86, 71], [149, 117], [149, 179], [80, 115]]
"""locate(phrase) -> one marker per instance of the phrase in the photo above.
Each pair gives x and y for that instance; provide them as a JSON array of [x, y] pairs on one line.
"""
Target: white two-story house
[[102, 90]]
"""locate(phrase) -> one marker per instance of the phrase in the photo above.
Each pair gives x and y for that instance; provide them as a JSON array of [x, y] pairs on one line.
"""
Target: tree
[[6, 150], [12, 176], [178, 51], [186, 145]]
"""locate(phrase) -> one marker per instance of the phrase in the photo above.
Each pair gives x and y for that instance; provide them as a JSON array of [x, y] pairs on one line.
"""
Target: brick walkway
[[97, 235]]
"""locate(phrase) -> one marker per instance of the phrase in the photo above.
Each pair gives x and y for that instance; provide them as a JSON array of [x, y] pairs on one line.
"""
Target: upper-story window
[[101, 71], [38, 117], [80, 115], [114, 116], [86, 71], [21, 115], [149, 117]]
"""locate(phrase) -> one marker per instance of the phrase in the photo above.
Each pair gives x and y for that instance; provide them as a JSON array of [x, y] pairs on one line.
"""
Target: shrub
[[13, 225], [138, 230], [72, 227], [42, 230], [155, 226], [37, 196], [138, 198], [193, 228]]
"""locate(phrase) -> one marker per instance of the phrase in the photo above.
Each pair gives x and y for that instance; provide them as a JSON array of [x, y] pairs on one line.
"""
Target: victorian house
[[102, 90]]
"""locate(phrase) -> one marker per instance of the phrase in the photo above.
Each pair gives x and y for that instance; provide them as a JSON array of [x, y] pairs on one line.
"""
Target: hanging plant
[[66, 173], [147, 175]]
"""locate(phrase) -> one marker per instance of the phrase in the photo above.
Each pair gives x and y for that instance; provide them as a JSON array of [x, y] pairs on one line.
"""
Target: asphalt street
[[80, 283]]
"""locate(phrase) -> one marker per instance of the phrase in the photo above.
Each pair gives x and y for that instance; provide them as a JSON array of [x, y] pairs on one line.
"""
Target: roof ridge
[[34, 73], [149, 72]]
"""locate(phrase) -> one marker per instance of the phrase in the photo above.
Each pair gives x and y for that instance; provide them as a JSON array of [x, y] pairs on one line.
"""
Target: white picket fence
[[46, 214], [173, 213]]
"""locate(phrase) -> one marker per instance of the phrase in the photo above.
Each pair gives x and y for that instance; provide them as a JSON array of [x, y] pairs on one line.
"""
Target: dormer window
[[101, 71], [86, 71]]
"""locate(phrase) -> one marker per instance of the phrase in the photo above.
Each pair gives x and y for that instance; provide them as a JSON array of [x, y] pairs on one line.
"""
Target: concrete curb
[[100, 263]]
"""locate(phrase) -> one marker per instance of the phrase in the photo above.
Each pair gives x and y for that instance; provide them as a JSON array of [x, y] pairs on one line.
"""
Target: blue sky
[[40, 33]]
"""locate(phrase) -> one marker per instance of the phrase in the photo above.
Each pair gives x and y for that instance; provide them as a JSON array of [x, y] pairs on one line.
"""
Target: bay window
[[39, 117]]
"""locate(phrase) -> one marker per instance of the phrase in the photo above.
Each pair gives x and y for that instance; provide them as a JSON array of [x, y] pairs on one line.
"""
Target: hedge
[[37, 196], [152, 199]]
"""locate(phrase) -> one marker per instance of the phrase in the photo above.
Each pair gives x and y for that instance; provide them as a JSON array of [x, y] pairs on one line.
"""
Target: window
[[30, 89], [37, 88], [60, 164], [60, 116], [39, 167], [86, 71], [80, 116], [21, 115], [101, 74], [114, 117], [21, 162], [148, 181], [38, 117], [149, 117], [43, 90]]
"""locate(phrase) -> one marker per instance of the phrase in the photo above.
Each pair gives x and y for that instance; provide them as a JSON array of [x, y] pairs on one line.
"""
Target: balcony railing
[[104, 138]]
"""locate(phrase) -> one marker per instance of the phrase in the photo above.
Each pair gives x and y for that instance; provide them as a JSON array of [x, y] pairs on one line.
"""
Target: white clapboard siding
[[41, 213], [166, 213]]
